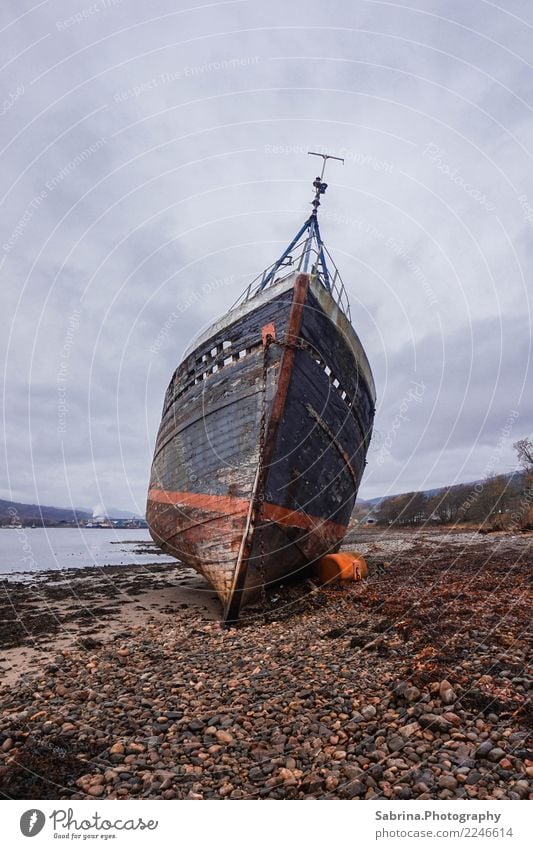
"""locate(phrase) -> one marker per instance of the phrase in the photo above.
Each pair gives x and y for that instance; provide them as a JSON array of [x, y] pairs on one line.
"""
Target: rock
[[412, 694], [409, 729], [7, 744], [287, 776], [522, 788], [405, 792], [352, 771], [446, 693], [96, 790], [421, 787], [224, 737], [354, 789], [453, 718], [368, 711], [117, 749], [395, 742], [331, 783], [447, 782], [312, 782], [495, 755], [225, 790], [434, 722], [483, 749]]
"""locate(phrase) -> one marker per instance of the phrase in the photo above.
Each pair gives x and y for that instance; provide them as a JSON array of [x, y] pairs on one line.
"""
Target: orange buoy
[[344, 566]]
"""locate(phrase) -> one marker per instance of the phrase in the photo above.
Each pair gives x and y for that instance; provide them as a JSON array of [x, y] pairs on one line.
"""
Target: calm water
[[37, 549]]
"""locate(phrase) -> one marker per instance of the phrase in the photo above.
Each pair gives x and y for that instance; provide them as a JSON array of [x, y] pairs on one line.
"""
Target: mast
[[311, 228]]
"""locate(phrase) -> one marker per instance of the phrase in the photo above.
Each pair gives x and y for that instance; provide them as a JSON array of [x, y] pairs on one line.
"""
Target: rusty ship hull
[[262, 444]]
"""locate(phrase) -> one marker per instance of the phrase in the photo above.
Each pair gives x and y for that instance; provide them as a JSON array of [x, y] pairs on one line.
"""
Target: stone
[[522, 788], [351, 771], [452, 717], [354, 789], [224, 737], [395, 742], [434, 722], [409, 729], [312, 782], [368, 711], [96, 790], [447, 782], [412, 694], [446, 693], [405, 793], [331, 783], [421, 787], [483, 749], [495, 755], [287, 776]]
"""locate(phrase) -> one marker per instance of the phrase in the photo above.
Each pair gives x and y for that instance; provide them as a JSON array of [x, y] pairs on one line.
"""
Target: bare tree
[[524, 451]]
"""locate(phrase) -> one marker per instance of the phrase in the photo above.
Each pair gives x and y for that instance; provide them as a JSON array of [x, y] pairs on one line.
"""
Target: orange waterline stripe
[[226, 503]]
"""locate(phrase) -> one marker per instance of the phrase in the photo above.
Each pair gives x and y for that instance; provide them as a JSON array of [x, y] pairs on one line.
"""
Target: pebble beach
[[412, 684]]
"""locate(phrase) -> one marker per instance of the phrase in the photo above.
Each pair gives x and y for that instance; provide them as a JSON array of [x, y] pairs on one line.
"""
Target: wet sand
[[53, 610]]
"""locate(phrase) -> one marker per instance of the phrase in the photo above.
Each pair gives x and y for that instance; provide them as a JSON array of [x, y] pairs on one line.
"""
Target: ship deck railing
[[332, 282]]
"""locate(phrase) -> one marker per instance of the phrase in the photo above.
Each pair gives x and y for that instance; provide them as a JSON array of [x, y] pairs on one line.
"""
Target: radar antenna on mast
[[319, 185]]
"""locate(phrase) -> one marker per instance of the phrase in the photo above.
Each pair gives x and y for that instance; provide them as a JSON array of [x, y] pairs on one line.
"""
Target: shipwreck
[[265, 428]]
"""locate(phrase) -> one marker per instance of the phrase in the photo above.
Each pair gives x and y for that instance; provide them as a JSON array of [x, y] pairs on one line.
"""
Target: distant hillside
[[373, 503], [14, 511], [496, 502]]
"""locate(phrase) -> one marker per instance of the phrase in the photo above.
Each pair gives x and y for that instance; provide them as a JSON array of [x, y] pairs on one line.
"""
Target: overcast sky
[[153, 161]]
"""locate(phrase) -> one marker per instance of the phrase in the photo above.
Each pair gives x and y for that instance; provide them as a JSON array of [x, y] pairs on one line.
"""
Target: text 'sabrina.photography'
[[266, 499]]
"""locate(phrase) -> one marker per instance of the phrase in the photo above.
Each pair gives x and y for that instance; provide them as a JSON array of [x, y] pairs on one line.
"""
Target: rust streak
[[299, 519], [301, 288]]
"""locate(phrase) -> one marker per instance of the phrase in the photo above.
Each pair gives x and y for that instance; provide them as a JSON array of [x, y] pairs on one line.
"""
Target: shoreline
[[409, 685], [42, 613]]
